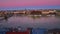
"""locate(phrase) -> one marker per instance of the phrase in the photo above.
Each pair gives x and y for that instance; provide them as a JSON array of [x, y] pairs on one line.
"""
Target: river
[[32, 21]]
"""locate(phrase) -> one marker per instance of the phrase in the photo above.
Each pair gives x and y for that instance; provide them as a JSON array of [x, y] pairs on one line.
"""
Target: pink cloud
[[21, 3]]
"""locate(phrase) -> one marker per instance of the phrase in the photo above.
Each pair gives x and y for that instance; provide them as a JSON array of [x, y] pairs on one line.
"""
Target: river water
[[32, 21]]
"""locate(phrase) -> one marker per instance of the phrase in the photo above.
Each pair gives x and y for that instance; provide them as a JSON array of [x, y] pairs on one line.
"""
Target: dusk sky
[[21, 4]]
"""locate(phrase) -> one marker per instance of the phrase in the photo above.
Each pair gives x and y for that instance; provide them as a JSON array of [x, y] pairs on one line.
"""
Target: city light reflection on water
[[32, 21]]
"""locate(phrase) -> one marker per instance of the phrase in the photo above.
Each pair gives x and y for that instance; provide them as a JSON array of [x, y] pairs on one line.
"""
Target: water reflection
[[35, 17], [32, 21]]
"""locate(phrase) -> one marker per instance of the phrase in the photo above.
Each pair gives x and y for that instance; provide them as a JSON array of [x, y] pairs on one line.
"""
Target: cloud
[[23, 3]]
